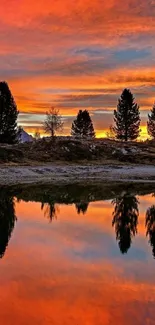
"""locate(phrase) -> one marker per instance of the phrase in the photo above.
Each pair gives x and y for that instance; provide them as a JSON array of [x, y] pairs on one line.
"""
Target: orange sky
[[77, 54]]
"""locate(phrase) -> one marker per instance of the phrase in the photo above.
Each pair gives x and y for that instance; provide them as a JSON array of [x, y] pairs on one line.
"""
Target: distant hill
[[25, 137]]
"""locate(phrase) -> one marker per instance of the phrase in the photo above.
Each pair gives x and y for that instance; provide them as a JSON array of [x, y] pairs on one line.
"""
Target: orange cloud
[[66, 47]]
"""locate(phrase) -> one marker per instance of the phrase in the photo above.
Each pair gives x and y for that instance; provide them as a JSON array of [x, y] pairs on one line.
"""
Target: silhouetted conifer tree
[[125, 220], [127, 117], [81, 207], [7, 220], [82, 126], [151, 123], [150, 226], [8, 115]]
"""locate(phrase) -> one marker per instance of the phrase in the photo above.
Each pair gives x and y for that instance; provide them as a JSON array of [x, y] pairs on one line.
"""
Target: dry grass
[[65, 150]]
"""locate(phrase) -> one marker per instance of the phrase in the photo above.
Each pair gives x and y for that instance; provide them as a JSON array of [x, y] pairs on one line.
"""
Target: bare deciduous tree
[[53, 122]]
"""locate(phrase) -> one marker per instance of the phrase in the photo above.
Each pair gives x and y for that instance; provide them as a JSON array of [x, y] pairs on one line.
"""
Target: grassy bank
[[68, 150]]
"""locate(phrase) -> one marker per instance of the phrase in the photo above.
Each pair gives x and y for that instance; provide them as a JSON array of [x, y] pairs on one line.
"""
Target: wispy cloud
[[77, 54]]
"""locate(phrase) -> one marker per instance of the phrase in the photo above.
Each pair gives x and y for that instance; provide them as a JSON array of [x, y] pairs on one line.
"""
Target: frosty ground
[[70, 174]]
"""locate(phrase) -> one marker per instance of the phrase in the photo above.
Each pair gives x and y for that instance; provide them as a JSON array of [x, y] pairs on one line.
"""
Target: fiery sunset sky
[[77, 54]]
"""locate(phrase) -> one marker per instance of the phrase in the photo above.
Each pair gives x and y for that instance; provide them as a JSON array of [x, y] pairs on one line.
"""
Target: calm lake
[[83, 259]]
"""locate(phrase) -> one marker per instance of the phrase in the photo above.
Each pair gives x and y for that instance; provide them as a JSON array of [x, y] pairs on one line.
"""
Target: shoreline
[[75, 174]]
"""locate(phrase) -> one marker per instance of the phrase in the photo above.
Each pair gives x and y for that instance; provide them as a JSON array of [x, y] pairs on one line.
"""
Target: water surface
[[83, 263]]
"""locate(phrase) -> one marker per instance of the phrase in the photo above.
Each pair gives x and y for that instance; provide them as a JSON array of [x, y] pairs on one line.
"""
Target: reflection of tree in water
[[50, 210], [125, 220], [7, 220], [150, 227], [81, 207]]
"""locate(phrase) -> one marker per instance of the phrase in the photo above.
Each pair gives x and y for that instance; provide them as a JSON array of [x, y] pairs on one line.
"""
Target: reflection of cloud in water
[[73, 269], [79, 273]]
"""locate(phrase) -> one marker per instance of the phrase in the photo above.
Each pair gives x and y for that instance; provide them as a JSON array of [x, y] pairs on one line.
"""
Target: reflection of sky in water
[[71, 271]]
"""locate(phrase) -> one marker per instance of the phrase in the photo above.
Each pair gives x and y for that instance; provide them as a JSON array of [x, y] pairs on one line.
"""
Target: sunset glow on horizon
[[77, 55]]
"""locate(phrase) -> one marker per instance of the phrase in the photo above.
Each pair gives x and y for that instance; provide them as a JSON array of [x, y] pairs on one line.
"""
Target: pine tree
[[127, 117], [125, 220], [8, 116], [82, 126], [150, 227], [81, 207], [151, 123], [7, 220]]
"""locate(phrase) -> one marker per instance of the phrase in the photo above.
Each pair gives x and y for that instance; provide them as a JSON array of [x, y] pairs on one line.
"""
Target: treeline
[[126, 126]]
